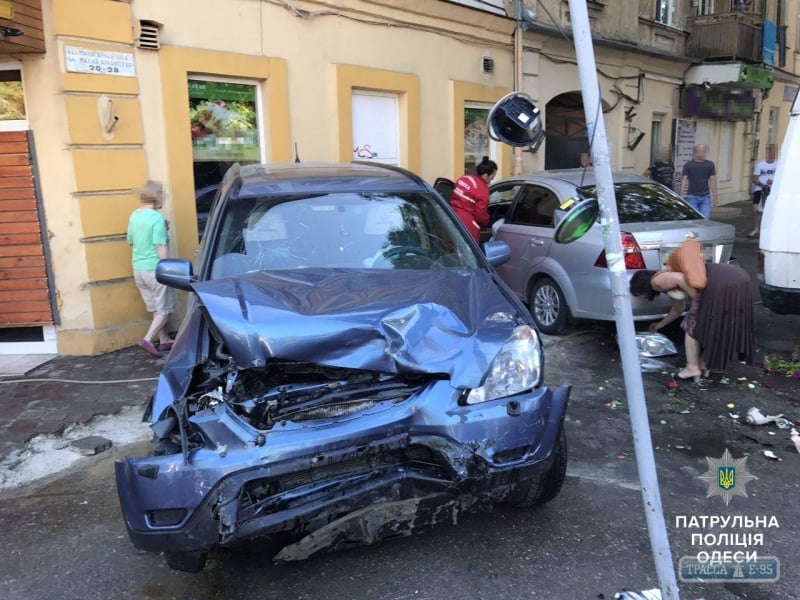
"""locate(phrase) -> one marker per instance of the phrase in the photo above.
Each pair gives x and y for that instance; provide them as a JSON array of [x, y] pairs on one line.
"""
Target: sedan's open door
[[445, 187]]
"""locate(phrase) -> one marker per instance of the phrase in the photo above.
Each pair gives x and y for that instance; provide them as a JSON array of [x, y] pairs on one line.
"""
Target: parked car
[[350, 368], [560, 282]]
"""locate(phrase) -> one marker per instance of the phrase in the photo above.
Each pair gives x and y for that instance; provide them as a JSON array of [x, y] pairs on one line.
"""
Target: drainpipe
[[626, 333], [518, 50]]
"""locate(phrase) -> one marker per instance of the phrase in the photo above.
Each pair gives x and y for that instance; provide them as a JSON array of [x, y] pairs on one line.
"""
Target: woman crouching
[[718, 326]]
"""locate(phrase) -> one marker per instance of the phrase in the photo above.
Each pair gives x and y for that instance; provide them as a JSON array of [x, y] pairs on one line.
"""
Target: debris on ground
[[771, 455], [654, 594], [795, 437], [90, 445], [756, 417]]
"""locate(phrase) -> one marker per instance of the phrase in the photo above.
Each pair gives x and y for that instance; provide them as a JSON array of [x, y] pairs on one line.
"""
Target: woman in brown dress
[[719, 324]]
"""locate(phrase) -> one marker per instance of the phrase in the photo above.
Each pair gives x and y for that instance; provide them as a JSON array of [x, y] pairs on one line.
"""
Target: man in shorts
[[147, 235], [763, 174]]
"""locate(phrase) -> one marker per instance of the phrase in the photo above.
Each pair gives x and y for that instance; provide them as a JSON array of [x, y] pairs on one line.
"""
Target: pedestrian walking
[[719, 325], [763, 174], [148, 237], [699, 181], [662, 170], [470, 198]]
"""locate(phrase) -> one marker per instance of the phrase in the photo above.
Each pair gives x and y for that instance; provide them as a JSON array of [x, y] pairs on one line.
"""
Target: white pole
[[519, 34], [626, 333]]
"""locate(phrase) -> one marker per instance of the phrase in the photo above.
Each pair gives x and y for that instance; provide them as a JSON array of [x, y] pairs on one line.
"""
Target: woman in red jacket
[[470, 199]]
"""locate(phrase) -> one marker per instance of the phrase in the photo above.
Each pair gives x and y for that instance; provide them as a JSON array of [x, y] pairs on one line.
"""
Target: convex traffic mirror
[[515, 120], [578, 220]]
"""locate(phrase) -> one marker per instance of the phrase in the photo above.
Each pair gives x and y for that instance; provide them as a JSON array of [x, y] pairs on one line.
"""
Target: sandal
[[677, 375], [148, 346]]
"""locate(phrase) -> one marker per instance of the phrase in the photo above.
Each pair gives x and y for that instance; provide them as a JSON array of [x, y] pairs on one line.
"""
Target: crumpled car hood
[[445, 321]]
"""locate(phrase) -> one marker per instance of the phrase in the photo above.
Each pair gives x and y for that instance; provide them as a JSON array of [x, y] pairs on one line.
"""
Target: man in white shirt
[[763, 174]]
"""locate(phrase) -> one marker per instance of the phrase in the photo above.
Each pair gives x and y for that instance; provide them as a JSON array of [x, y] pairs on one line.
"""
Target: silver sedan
[[565, 281]]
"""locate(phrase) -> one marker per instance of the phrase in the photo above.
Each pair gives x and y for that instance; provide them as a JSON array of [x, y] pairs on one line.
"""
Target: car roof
[[575, 177], [293, 178]]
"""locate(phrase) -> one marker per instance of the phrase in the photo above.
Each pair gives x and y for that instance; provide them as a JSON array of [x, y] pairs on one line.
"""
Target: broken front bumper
[[397, 464]]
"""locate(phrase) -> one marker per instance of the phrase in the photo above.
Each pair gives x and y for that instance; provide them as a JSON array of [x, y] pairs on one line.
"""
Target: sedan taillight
[[630, 250]]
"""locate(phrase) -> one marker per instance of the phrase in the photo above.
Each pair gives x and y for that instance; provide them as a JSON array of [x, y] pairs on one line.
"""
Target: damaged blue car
[[350, 368]]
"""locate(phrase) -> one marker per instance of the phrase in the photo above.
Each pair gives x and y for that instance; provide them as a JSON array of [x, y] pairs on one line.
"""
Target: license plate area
[[711, 253]]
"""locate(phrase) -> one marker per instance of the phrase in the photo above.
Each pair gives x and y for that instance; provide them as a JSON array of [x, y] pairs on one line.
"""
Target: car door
[[528, 230], [501, 197]]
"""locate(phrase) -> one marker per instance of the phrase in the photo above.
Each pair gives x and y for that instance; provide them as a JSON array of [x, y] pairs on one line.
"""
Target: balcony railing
[[733, 36]]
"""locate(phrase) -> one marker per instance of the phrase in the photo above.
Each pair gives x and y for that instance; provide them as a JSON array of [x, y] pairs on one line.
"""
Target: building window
[[476, 141], [704, 7], [376, 126], [12, 99], [656, 150], [225, 130], [665, 12]]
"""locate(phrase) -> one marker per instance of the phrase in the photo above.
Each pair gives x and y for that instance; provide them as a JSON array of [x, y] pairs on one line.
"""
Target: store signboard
[[684, 142], [223, 120]]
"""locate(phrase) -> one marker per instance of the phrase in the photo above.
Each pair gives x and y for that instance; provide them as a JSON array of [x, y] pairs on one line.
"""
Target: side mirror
[[515, 120], [176, 273], [497, 253]]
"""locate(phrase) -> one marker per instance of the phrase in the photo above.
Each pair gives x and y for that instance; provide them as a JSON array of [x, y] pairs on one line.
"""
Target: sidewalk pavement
[[67, 390]]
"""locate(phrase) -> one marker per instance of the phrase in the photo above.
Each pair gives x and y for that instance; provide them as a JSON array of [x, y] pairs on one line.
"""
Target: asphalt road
[[65, 538]]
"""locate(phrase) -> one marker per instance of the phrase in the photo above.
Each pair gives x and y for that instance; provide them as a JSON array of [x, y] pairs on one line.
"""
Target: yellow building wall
[[393, 55], [106, 215], [94, 19], [109, 169], [83, 111], [176, 65], [88, 190]]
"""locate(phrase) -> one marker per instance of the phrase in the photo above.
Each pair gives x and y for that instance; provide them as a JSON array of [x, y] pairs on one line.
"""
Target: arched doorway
[[565, 131]]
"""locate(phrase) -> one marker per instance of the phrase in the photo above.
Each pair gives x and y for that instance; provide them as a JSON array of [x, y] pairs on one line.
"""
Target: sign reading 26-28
[[83, 60]]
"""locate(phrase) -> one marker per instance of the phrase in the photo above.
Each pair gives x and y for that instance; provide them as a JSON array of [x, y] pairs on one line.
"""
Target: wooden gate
[[25, 298]]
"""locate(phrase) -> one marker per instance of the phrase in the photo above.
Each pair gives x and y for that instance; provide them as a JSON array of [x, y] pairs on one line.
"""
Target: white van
[[779, 255]]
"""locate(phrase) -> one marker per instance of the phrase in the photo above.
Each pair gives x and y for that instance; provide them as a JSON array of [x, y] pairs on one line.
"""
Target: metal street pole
[[519, 34], [626, 333]]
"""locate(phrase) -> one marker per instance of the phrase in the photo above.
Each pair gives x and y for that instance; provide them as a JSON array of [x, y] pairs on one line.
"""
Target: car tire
[[548, 307], [189, 562], [547, 485]]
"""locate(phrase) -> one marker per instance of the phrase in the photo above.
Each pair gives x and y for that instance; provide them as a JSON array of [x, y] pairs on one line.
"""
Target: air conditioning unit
[[149, 37]]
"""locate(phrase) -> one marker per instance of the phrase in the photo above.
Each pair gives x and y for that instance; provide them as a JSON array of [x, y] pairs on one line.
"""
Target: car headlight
[[516, 368]]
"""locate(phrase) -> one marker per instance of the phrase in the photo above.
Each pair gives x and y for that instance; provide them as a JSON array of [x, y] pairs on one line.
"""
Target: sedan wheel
[[548, 307]]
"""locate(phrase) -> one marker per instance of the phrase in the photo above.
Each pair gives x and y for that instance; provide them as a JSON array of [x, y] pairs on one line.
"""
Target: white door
[[376, 126]]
